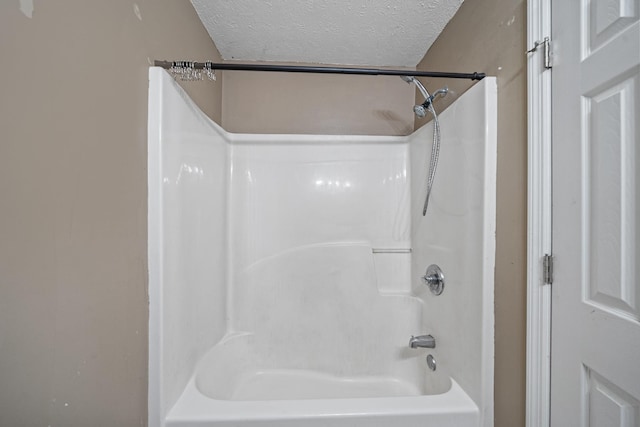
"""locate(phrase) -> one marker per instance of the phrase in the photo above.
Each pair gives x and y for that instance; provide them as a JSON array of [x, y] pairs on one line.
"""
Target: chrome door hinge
[[546, 45], [547, 269]]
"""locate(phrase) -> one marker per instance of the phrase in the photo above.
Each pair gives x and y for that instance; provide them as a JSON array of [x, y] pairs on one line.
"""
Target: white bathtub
[[227, 391], [296, 366], [284, 272]]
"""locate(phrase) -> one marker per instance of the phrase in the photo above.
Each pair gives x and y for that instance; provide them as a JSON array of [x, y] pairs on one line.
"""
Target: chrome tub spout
[[424, 341]]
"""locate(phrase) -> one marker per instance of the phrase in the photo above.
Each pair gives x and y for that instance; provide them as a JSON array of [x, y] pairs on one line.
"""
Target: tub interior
[[287, 267], [316, 326], [302, 384]]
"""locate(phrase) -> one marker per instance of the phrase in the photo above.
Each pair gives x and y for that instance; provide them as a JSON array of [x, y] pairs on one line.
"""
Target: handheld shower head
[[440, 92], [421, 110]]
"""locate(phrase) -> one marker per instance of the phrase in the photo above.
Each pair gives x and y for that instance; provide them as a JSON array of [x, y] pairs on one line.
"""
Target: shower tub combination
[[284, 272]]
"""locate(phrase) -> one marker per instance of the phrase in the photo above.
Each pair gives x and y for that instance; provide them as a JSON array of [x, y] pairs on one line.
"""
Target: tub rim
[[193, 406]]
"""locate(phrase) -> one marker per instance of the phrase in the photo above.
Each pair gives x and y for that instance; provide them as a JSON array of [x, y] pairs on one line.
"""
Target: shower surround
[[284, 272]]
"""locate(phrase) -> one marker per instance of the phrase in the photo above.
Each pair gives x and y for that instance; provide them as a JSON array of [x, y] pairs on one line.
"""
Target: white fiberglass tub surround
[[284, 272]]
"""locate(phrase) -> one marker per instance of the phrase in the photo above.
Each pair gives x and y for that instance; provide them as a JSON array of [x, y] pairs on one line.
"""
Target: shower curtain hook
[[209, 71], [176, 70]]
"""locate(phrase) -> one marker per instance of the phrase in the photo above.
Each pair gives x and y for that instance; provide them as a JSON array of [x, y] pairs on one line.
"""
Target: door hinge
[[546, 47], [547, 269]]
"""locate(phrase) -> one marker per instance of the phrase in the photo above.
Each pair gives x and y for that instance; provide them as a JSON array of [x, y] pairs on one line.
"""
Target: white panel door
[[595, 359]]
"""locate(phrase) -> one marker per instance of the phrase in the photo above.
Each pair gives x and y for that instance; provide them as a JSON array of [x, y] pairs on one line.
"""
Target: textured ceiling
[[349, 32]]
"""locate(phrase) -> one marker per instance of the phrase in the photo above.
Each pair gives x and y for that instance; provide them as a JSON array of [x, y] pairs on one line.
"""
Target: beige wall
[[261, 102], [489, 36], [73, 228]]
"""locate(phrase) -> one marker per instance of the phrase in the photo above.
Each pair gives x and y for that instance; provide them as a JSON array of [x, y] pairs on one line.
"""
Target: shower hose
[[435, 153]]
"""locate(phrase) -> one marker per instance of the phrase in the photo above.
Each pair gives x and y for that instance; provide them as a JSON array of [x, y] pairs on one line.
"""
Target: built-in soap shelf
[[391, 250]]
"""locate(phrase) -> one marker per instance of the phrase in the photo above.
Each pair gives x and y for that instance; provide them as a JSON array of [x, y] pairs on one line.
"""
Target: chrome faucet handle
[[434, 278]]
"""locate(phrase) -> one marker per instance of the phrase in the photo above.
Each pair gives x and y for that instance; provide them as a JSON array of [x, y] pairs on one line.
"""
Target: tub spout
[[424, 341]]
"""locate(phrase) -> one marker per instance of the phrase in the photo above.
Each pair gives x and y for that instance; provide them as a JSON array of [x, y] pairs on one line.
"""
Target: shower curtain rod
[[320, 70]]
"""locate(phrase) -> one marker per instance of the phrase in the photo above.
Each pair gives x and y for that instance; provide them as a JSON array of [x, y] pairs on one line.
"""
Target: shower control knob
[[434, 279]]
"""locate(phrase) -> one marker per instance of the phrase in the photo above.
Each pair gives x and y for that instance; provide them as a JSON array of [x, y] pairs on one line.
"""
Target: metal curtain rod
[[321, 70]]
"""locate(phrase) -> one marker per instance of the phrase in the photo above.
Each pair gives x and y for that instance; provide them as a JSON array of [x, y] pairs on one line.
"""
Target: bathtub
[[229, 390], [327, 356], [284, 272]]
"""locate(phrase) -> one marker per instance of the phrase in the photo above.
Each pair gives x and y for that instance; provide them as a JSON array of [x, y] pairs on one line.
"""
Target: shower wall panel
[[458, 234], [306, 213], [188, 177], [292, 191]]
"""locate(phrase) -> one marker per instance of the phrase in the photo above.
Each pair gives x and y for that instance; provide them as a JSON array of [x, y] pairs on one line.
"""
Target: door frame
[[539, 216]]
